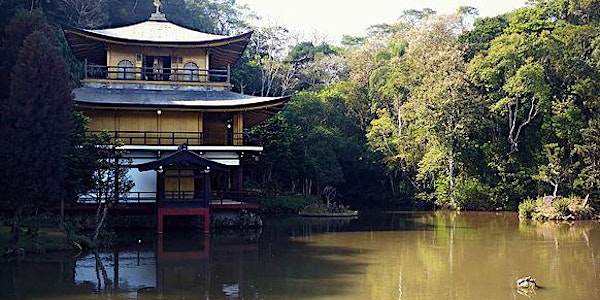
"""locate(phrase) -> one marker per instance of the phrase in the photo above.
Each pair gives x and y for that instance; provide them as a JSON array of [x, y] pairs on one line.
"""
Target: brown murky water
[[431, 255]]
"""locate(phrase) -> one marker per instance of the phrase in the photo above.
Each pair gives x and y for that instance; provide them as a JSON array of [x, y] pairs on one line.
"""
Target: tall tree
[[18, 28], [425, 109], [84, 13], [110, 179], [267, 50], [37, 120]]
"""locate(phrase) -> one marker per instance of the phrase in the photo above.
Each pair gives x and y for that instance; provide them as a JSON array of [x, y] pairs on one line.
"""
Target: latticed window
[[125, 70], [190, 72]]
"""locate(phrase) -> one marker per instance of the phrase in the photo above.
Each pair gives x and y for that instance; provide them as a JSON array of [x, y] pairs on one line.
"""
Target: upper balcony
[[128, 76], [152, 138]]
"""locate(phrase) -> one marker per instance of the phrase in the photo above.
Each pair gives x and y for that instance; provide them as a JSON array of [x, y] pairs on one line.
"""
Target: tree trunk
[[62, 212], [100, 221], [37, 219], [101, 270], [451, 178], [15, 229]]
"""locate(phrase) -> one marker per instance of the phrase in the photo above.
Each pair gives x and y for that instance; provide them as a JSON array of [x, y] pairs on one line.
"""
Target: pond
[[396, 255]]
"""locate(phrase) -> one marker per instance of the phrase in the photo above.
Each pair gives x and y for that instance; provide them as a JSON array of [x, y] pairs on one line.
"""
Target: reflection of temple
[[179, 266], [187, 266], [183, 265], [154, 86]]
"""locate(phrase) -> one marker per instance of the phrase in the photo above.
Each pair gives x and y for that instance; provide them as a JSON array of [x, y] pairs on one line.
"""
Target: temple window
[[125, 70], [190, 72]]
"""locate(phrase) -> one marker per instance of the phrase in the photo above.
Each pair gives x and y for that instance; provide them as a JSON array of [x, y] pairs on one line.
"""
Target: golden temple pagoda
[[164, 90]]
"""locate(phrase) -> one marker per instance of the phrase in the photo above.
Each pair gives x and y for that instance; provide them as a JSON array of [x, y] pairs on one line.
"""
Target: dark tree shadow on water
[[42, 276], [286, 269], [287, 260]]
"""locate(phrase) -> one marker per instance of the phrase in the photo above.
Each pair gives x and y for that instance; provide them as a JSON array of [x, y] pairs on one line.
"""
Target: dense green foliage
[[457, 118], [45, 156], [36, 119], [36, 122], [427, 111], [286, 205]]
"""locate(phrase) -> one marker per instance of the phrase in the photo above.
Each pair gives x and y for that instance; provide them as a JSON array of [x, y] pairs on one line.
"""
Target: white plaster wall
[[145, 182]]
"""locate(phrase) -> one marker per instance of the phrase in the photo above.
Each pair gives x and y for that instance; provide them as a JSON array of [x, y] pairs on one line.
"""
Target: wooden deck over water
[[142, 208]]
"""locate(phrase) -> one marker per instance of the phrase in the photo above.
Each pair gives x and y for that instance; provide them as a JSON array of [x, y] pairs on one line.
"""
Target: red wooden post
[[206, 219], [159, 222]]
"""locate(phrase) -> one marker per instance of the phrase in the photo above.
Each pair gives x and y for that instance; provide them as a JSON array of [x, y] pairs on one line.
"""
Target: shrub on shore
[[557, 208], [323, 208], [286, 204]]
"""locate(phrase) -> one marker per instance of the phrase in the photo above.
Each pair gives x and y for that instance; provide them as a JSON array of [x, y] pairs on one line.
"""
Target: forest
[[432, 111]]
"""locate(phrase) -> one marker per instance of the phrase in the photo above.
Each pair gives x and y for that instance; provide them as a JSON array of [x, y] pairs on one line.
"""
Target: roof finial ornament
[[157, 16], [157, 4]]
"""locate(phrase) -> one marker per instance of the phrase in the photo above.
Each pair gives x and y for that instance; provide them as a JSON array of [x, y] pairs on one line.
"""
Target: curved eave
[[91, 45], [253, 114], [210, 105], [258, 116]]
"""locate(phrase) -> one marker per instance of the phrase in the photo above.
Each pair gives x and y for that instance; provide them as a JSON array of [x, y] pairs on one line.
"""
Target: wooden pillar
[[207, 191], [160, 195], [206, 214], [228, 73], [160, 188], [206, 221], [159, 222], [85, 68], [201, 128], [237, 181], [116, 269], [160, 274], [198, 185]]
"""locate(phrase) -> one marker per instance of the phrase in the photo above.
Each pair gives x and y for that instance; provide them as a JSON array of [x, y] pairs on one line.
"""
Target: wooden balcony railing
[[156, 74], [155, 138], [181, 197]]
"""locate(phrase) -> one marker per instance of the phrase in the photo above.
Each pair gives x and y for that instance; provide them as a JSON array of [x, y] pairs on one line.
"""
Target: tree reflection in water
[[427, 255]]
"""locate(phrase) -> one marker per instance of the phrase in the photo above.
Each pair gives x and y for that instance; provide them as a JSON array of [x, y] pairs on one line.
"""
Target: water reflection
[[433, 255], [124, 270]]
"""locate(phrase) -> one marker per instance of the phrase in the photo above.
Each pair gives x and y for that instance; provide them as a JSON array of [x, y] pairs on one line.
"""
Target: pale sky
[[331, 19]]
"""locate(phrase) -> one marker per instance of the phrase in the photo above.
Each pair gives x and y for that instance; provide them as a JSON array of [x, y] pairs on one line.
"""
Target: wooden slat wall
[[179, 121], [188, 126], [186, 123], [138, 121], [102, 120]]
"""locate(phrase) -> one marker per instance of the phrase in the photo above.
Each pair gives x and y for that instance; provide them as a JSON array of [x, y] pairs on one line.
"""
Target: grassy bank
[[45, 240], [557, 208]]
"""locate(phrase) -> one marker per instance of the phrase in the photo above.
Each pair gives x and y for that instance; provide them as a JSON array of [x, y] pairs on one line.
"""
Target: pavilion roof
[[256, 109], [182, 159], [158, 32], [91, 43]]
